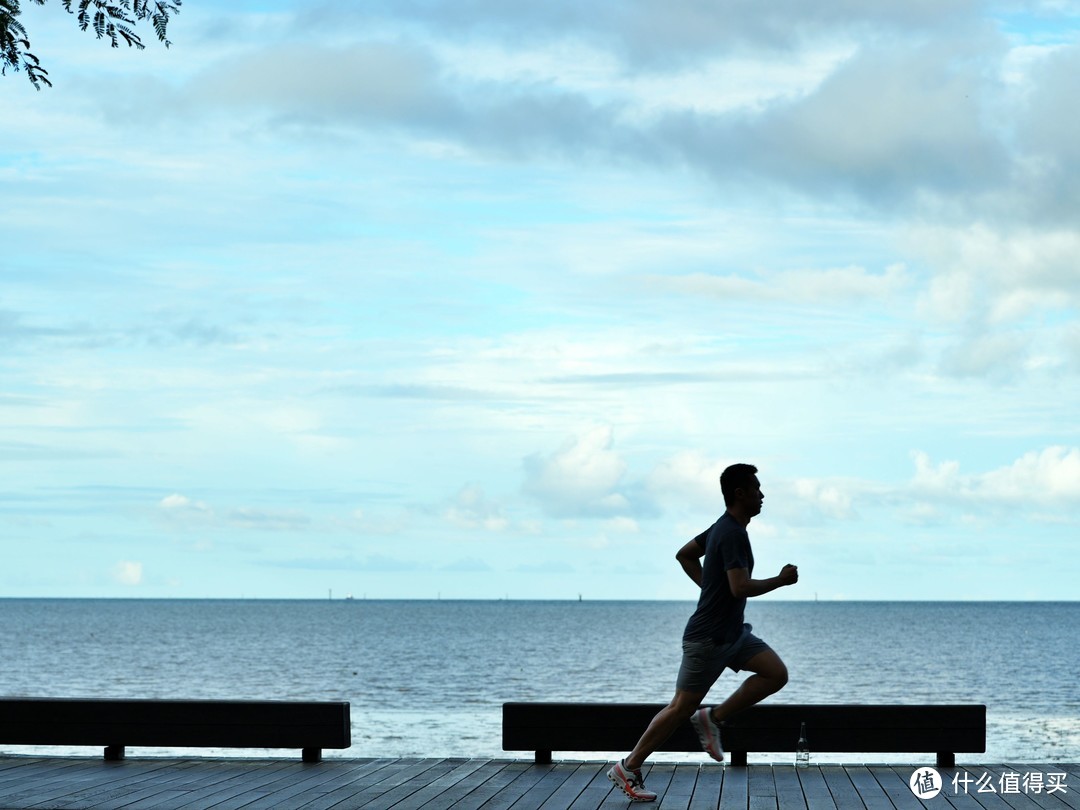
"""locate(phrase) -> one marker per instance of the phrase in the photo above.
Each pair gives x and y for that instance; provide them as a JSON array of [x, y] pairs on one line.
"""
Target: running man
[[716, 637]]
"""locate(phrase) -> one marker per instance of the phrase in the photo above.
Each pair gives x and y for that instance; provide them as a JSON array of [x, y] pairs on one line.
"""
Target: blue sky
[[476, 299]]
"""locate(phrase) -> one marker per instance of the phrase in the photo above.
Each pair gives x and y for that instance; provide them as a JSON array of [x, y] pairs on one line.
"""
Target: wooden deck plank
[[385, 793], [9, 762], [57, 783], [295, 787], [98, 780], [658, 779], [434, 790], [680, 789], [73, 783], [374, 782], [48, 782], [255, 784], [136, 784], [818, 796], [735, 795], [896, 788], [542, 790], [453, 787], [871, 793], [1018, 801], [186, 782], [710, 782], [1066, 800], [344, 784], [844, 794], [517, 787], [789, 792], [1073, 782], [494, 784], [597, 791], [223, 785], [12, 779], [981, 801], [147, 791], [482, 795], [510, 783], [143, 782], [569, 791], [1027, 800], [761, 788], [404, 790]]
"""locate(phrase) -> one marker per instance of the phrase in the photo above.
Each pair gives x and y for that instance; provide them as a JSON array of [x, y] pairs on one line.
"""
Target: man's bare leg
[[663, 726], [770, 676]]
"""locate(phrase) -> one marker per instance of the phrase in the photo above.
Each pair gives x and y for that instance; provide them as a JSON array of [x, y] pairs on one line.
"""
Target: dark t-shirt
[[719, 615]]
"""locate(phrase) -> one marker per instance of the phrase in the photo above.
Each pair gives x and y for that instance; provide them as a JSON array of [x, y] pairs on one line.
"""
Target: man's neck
[[739, 516]]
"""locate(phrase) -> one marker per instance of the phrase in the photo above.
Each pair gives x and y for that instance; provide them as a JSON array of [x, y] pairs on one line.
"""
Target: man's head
[[741, 488]]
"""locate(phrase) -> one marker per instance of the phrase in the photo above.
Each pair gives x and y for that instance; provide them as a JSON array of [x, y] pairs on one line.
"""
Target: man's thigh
[[767, 664]]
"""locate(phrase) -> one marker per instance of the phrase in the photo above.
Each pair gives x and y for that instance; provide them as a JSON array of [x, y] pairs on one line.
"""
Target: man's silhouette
[[716, 636]]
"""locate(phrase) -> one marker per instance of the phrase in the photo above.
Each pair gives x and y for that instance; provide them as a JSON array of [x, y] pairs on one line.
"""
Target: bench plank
[[942, 729], [118, 723]]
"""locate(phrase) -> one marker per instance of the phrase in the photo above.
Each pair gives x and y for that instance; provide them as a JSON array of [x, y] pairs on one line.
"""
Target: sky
[[476, 299]]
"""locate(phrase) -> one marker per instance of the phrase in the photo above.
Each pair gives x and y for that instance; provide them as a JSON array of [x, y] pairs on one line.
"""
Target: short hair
[[737, 476]]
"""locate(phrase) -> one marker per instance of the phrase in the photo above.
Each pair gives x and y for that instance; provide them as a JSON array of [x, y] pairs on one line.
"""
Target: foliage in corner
[[114, 20]]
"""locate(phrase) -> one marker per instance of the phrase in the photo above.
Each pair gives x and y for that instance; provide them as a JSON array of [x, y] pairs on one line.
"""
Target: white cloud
[[830, 499], [826, 287], [648, 34], [187, 512], [583, 478], [175, 501], [128, 572], [690, 477], [998, 276], [999, 297], [996, 356], [268, 519], [472, 509], [1048, 478], [177, 504]]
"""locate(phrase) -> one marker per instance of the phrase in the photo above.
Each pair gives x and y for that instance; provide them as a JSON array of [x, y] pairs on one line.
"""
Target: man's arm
[[689, 557], [742, 587]]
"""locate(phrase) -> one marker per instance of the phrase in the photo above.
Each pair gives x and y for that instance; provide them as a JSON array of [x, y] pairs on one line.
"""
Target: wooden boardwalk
[[404, 784]]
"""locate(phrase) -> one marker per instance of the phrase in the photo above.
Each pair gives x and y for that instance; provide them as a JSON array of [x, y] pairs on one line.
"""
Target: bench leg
[[312, 754], [114, 753], [946, 759]]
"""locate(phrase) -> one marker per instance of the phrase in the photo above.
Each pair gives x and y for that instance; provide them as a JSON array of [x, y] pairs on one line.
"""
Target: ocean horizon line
[[537, 600]]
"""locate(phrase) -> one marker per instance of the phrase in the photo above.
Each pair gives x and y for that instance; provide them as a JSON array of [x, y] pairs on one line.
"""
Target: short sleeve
[[733, 548]]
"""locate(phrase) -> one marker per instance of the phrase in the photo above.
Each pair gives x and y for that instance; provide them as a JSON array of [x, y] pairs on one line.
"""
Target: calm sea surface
[[427, 678]]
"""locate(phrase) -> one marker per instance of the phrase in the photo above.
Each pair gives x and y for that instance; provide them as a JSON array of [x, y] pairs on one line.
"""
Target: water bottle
[[802, 749]]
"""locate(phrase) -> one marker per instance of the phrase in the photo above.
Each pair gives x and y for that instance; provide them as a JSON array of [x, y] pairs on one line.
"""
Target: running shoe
[[708, 733], [630, 782]]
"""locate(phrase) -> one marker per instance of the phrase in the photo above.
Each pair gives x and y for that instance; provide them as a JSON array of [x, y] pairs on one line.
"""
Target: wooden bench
[[115, 724], [940, 729]]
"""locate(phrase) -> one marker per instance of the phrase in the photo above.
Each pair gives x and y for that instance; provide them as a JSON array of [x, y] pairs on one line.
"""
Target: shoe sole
[[615, 780], [704, 737]]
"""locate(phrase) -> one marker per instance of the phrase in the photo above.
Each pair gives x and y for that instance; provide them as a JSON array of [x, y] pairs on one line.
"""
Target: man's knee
[[781, 676], [768, 665], [685, 703]]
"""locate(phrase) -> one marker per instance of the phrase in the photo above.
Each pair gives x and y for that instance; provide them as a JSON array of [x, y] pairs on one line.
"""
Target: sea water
[[428, 678]]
